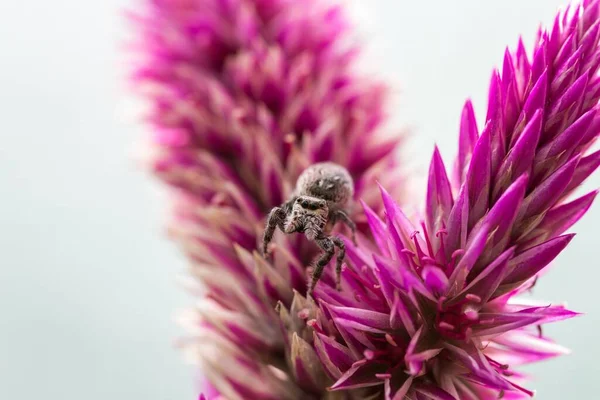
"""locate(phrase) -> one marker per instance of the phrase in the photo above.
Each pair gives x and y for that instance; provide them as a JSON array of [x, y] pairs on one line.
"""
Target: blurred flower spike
[[243, 95]]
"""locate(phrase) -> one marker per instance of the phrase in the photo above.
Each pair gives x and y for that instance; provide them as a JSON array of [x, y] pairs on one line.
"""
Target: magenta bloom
[[244, 95], [432, 310]]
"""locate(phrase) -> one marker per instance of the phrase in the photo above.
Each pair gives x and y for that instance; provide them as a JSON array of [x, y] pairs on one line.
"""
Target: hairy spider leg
[[339, 260], [341, 215], [326, 244], [275, 219]]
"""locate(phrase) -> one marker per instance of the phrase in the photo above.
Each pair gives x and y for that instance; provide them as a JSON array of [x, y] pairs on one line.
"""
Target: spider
[[322, 196]]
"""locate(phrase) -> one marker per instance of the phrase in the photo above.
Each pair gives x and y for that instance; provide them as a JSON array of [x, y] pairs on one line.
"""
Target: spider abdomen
[[327, 181]]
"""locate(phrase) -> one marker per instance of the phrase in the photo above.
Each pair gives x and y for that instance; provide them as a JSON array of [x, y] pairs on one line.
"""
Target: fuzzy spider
[[323, 193]]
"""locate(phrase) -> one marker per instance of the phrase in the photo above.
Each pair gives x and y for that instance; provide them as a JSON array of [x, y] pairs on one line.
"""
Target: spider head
[[308, 214]]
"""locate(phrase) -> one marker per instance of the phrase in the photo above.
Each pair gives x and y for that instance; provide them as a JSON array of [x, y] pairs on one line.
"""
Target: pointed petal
[[400, 221], [519, 159], [526, 343], [478, 177], [539, 67], [563, 145], [416, 361], [559, 219], [488, 280], [496, 324], [435, 279], [439, 194], [566, 73], [536, 100], [565, 107], [362, 374], [495, 123], [378, 229], [414, 367], [458, 222], [334, 357], [546, 193], [397, 387], [356, 318], [400, 313], [501, 217], [587, 165], [306, 366], [468, 136], [474, 249], [476, 363], [533, 260], [510, 95], [434, 393]]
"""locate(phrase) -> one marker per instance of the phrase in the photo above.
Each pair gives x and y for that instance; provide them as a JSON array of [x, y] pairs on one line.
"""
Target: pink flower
[[432, 310], [243, 95]]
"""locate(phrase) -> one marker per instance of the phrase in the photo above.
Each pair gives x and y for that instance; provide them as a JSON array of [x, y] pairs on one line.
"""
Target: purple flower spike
[[432, 310], [243, 95]]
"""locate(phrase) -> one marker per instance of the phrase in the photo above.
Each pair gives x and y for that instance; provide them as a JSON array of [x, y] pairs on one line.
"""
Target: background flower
[[244, 95]]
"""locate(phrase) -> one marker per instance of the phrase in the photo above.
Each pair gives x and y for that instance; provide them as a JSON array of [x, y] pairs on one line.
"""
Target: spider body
[[323, 194]]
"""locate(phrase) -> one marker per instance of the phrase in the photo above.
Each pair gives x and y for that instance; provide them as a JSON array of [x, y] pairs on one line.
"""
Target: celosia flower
[[245, 94], [432, 310]]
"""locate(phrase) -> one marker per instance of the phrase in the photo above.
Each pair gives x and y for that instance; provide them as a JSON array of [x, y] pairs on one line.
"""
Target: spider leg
[[339, 260], [275, 219], [326, 244], [345, 218]]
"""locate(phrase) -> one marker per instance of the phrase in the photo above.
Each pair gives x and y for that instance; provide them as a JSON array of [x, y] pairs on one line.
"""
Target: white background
[[87, 278]]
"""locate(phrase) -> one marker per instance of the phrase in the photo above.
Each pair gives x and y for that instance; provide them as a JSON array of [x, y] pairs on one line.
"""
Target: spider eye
[[304, 203]]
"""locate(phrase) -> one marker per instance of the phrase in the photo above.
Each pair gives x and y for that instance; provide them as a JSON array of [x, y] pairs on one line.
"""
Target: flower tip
[[507, 55], [565, 306], [522, 180], [239, 250], [364, 204], [381, 188]]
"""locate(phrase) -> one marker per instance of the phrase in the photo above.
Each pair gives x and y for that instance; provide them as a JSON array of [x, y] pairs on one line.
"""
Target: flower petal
[[478, 177], [434, 393], [559, 219], [586, 166], [487, 281], [398, 386], [378, 229], [361, 374], [307, 369], [469, 133], [334, 356], [360, 319], [439, 194], [531, 261], [519, 159]]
